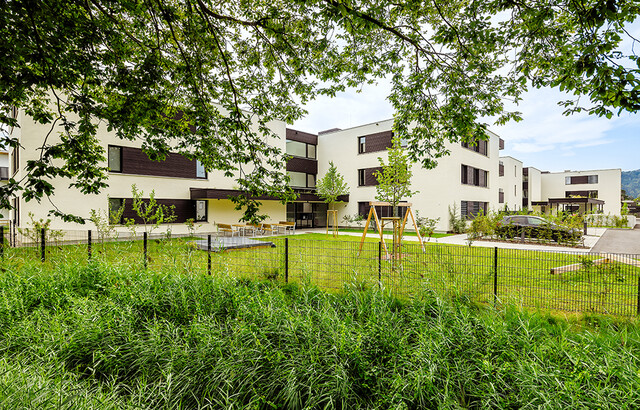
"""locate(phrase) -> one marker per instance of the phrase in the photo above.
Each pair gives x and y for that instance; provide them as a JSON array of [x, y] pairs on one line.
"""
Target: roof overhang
[[576, 201], [213, 193]]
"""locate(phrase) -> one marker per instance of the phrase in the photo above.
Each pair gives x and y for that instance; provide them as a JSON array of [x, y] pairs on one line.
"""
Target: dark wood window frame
[[470, 209], [480, 146], [361, 177]]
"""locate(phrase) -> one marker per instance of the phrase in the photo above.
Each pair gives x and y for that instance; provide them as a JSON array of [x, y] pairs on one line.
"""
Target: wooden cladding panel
[[582, 179], [135, 161], [378, 142], [184, 209], [369, 176], [500, 143], [309, 166], [501, 197], [501, 170], [293, 135]]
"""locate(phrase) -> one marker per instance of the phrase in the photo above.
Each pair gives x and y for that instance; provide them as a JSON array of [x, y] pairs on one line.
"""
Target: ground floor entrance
[[307, 214]]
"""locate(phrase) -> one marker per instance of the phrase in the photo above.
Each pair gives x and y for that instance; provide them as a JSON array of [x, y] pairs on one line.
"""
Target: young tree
[[205, 78], [331, 186], [394, 181]]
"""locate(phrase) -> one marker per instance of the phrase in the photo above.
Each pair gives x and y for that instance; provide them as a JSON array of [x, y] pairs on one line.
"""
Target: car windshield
[[536, 221]]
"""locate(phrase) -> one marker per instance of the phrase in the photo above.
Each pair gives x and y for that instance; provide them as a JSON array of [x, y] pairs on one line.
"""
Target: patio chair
[[228, 229], [256, 229], [289, 227]]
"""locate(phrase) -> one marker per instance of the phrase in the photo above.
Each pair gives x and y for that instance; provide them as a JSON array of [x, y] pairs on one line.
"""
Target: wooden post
[[42, 244], [89, 244], [144, 240]]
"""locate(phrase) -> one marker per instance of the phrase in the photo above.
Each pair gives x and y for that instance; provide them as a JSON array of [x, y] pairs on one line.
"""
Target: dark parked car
[[535, 227]]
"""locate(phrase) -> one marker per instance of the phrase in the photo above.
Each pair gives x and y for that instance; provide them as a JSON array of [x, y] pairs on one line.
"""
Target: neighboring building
[[510, 184], [595, 190], [531, 186], [467, 178]]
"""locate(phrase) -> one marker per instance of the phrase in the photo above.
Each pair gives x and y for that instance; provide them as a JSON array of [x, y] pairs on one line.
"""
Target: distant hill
[[631, 182]]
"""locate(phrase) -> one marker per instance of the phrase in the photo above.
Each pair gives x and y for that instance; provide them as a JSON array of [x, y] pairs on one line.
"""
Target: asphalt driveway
[[619, 241]]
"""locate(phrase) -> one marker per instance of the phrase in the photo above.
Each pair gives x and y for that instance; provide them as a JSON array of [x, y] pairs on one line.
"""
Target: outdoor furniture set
[[279, 228]]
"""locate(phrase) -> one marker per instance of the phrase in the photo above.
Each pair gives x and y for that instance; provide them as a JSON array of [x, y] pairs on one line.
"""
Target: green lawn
[[523, 277]]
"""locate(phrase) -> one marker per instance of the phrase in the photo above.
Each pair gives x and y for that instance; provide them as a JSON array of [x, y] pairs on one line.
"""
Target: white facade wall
[[71, 200], [438, 188], [608, 186], [535, 185], [511, 183]]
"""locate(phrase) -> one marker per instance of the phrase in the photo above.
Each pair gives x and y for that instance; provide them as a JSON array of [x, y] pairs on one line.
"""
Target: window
[[200, 171], [582, 179], [115, 158], [201, 211], [297, 148], [361, 178], [311, 151], [471, 209], [515, 190], [297, 179], [361, 144], [311, 181], [473, 176], [114, 207], [479, 146], [515, 170], [501, 196], [581, 194], [301, 149]]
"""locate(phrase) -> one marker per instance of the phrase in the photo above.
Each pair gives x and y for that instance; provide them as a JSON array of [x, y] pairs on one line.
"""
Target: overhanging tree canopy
[[191, 75]]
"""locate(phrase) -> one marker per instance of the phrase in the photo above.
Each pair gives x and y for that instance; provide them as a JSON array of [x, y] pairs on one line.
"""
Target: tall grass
[[97, 336]]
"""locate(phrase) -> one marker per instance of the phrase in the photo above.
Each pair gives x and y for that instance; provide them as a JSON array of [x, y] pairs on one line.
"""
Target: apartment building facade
[[472, 179], [467, 178]]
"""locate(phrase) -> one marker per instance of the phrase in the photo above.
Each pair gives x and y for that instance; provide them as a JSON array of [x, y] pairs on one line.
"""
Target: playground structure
[[398, 224]]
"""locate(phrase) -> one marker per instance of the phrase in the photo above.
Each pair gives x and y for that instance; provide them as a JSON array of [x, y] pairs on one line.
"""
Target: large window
[[115, 158], [301, 149], [581, 179], [361, 177], [301, 179]]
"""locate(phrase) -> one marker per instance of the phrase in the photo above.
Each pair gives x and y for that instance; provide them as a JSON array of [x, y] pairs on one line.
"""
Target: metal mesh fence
[[567, 281]]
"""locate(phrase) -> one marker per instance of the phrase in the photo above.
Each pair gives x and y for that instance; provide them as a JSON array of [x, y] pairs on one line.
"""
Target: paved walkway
[[625, 241], [593, 235]]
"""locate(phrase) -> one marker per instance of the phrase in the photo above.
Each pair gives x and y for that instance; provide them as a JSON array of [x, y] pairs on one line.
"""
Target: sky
[[545, 138]]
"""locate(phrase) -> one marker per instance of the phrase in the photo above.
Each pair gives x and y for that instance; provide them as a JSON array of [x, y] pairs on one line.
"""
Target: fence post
[[286, 260], [495, 275], [380, 264], [42, 244], [2, 241], [585, 227], [209, 254], [144, 240], [638, 296], [89, 244]]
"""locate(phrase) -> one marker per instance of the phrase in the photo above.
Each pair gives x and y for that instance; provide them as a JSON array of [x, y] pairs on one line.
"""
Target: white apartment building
[[177, 181], [510, 183], [467, 178], [473, 178]]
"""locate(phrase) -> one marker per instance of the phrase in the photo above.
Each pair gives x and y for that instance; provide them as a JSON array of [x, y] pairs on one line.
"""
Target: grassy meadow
[[112, 336]]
